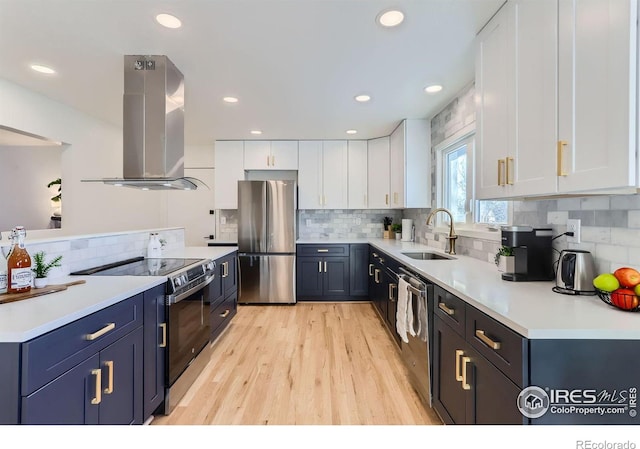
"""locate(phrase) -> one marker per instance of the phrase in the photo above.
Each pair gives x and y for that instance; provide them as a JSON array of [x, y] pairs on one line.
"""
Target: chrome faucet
[[452, 234]]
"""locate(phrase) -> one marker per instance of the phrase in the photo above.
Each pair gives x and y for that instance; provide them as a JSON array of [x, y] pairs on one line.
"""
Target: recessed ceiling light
[[352, 131], [362, 98], [390, 18], [42, 69], [230, 99], [169, 21], [256, 132], [432, 89]]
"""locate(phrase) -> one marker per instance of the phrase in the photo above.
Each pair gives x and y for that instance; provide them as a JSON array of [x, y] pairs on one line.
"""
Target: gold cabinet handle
[[509, 180], [273, 160], [370, 269], [495, 345], [323, 250], [319, 266], [459, 353], [98, 396], [375, 276], [225, 313], [386, 199], [325, 266], [500, 164], [465, 385], [225, 269], [108, 328], [109, 388], [391, 287], [163, 326], [561, 145], [395, 197], [442, 306], [267, 160]]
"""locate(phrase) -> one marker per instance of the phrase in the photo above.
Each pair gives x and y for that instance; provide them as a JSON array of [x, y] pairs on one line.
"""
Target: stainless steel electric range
[[187, 301]]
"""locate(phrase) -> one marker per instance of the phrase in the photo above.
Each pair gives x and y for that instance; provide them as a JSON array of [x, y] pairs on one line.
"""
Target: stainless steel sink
[[425, 255]]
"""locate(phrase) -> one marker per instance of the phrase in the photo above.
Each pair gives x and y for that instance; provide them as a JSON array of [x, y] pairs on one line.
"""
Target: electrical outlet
[[573, 225]]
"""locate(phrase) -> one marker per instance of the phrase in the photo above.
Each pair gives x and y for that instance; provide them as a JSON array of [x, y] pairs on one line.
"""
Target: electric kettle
[[575, 273]]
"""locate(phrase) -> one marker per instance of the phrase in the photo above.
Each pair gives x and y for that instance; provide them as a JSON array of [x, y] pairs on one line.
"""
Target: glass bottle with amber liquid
[[19, 264]]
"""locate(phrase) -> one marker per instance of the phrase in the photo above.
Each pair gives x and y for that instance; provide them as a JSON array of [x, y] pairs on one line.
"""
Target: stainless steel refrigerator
[[267, 241]]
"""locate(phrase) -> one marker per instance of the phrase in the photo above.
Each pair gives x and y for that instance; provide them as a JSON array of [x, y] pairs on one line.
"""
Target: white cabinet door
[[257, 154], [597, 63], [310, 174], [530, 168], [191, 209], [378, 173], [357, 174], [334, 174], [229, 169], [397, 166], [284, 155], [494, 106], [417, 170]]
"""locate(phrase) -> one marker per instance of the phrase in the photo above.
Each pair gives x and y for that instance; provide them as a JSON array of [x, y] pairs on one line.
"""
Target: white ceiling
[[295, 65]]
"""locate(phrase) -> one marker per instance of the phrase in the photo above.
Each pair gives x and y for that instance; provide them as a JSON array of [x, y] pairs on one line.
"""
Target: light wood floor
[[312, 363]]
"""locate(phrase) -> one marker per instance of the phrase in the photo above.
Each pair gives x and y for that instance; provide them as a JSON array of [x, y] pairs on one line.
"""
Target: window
[[455, 182]]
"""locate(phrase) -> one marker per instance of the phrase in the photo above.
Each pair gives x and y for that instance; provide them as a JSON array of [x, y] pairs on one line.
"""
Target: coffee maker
[[532, 251]]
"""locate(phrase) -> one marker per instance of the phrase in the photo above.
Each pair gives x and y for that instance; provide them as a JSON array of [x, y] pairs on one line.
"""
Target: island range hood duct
[[153, 126]]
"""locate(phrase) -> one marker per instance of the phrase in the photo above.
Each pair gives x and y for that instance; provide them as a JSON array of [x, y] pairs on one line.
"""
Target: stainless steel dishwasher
[[415, 353]]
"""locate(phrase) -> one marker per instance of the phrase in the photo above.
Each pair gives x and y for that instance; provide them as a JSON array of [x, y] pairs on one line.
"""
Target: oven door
[[189, 328]]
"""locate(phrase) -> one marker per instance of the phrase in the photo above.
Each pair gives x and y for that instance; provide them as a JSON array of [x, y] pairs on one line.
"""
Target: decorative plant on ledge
[[57, 182], [41, 268], [503, 251]]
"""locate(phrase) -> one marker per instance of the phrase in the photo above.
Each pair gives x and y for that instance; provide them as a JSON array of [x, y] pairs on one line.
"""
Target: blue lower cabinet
[[155, 349], [104, 389]]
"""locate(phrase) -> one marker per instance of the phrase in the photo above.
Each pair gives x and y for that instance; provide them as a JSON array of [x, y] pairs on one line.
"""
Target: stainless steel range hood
[[153, 126]]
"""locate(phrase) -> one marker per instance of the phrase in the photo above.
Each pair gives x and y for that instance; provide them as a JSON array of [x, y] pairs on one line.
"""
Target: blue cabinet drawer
[[46, 357], [222, 314], [322, 250]]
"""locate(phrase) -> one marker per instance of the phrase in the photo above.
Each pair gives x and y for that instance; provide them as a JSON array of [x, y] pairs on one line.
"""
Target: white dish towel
[[423, 323], [404, 311]]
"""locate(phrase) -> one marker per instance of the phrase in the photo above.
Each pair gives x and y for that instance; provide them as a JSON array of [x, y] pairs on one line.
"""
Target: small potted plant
[[41, 268], [505, 260], [397, 228]]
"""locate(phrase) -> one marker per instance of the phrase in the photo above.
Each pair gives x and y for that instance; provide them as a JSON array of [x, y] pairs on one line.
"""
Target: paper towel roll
[[407, 226]]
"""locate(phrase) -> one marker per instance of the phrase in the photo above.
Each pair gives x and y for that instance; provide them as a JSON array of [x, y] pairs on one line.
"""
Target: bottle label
[[3, 282], [20, 278]]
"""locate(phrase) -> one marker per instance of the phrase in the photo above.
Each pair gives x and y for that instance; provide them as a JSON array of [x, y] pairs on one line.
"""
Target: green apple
[[636, 290], [606, 282]]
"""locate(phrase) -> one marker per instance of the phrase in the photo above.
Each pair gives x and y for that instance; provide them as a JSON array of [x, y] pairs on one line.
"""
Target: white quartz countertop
[[530, 308], [26, 319]]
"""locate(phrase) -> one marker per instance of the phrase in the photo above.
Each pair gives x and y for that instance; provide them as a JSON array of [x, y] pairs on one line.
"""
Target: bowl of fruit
[[620, 289]]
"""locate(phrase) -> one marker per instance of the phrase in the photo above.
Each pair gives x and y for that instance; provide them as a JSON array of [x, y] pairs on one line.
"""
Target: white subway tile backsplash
[[568, 203], [558, 217], [595, 234], [633, 219], [612, 253], [626, 237], [595, 203]]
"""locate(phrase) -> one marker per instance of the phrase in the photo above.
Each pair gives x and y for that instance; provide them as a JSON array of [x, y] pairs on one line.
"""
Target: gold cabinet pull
[[386, 199], [163, 326], [465, 385], [108, 328], [273, 160], [324, 200], [323, 250], [370, 269], [459, 353], [391, 288], [267, 160], [395, 197], [325, 266], [98, 396], [500, 164], [561, 145], [509, 178], [442, 306], [225, 313], [225, 269], [109, 388], [375, 276], [495, 345], [319, 266]]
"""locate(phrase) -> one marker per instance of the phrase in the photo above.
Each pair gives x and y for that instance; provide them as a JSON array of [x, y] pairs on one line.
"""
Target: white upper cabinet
[[357, 174], [378, 181], [597, 94], [409, 165], [271, 155], [555, 98], [229, 169], [322, 174]]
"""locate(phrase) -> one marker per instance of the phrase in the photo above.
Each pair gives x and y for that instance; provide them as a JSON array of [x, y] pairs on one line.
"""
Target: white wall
[[94, 151]]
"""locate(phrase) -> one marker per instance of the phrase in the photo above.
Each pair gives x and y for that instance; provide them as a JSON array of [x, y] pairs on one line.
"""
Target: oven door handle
[[172, 299]]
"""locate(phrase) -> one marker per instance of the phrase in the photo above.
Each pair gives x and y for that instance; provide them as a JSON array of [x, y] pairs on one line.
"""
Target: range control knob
[[211, 265], [177, 282]]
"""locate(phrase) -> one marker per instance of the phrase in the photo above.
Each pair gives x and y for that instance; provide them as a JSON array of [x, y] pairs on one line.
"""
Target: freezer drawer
[[267, 279]]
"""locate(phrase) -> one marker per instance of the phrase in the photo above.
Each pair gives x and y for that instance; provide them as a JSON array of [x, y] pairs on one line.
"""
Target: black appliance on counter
[[532, 251], [187, 301]]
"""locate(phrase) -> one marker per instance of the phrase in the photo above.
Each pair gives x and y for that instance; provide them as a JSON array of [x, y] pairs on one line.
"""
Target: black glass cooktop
[[139, 267]]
